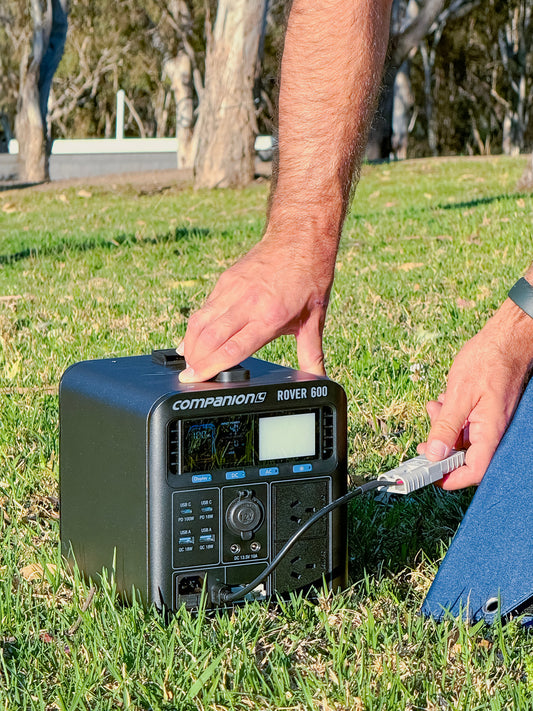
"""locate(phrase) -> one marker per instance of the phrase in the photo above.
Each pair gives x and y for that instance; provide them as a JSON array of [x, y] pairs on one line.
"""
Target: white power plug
[[418, 472]]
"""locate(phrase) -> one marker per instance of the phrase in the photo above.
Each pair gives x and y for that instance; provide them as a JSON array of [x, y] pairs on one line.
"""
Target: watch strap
[[522, 294]]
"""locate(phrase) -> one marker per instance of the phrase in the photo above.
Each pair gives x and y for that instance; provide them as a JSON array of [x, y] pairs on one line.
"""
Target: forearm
[[331, 70]]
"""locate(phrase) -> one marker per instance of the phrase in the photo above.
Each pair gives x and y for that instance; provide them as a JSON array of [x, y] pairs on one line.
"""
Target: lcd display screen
[[217, 443], [287, 436]]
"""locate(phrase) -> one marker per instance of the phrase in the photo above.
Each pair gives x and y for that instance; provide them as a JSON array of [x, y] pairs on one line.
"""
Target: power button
[[237, 374]]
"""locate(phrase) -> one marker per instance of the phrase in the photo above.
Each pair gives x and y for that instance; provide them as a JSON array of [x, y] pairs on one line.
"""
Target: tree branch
[[135, 116], [416, 30]]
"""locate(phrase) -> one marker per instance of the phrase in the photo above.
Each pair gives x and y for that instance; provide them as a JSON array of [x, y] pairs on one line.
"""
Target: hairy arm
[[331, 69], [484, 386]]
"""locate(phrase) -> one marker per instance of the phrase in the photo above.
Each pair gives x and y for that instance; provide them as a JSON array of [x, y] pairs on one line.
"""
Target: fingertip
[[313, 369], [188, 376], [433, 408], [313, 364], [436, 450], [309, 348]]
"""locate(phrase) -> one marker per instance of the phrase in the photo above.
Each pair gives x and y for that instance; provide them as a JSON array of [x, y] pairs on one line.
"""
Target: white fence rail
[[90, 146]]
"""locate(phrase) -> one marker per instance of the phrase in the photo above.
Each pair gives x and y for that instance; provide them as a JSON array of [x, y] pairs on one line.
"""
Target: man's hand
[[279, 287], [330, 74], [484, 386]]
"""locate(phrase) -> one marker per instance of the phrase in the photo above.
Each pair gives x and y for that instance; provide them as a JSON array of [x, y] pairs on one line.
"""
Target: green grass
[[428, 252]]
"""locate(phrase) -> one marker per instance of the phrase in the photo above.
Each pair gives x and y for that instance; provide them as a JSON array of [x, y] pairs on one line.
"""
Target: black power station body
[[177, 486]]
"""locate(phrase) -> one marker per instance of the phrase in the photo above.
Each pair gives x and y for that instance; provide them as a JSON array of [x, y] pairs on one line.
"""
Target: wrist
[[513, 331], [307, 242], [305, 223]]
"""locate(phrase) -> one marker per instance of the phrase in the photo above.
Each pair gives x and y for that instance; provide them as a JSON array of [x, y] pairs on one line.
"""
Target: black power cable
[[221, 594]]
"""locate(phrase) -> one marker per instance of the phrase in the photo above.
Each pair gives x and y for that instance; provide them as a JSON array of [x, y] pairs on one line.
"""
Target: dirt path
[[149, 181], [152, 181]]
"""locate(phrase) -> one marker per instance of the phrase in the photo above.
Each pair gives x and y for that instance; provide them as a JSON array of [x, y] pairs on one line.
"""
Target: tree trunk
[[49, 35], [407, 33], [512, 134], [401, 111], [379, 146], [428, 61], [513, 42], [226, 122], [32, 164], [526, 181], [179, 71]]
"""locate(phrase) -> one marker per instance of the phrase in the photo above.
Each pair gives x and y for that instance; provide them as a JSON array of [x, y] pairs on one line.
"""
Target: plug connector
[[219, 593], [418, 472]]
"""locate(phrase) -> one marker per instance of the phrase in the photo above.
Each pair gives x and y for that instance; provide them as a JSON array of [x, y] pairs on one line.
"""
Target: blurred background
[[204, 73]]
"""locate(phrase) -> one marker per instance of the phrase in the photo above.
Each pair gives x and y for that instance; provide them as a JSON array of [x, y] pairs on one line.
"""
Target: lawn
[[86, 271]]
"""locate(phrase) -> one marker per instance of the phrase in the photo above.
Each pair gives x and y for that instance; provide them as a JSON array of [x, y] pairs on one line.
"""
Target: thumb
[[309, 348], [445, 430]]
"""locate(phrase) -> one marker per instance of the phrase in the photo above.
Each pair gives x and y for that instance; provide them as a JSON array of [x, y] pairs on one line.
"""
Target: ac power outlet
[[303, 565], [296, 505]]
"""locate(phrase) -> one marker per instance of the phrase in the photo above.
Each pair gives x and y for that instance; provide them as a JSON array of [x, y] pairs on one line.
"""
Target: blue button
[[236, 475], [300, 468], [268, 471], [200, 478]]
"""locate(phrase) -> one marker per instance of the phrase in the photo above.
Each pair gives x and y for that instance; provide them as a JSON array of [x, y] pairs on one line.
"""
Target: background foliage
[[473, 84], [124, 44]]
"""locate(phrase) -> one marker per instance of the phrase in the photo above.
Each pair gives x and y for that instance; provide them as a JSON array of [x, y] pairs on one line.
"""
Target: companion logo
[[198, 403]]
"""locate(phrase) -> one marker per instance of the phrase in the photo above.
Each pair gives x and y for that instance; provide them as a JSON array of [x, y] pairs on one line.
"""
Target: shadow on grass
[[414, 211], [15, 185], [465, 205], [73, 244], [392, 532]]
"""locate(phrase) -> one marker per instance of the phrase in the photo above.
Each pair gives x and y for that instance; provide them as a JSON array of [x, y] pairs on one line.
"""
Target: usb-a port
[[210, 538], [186, 540]]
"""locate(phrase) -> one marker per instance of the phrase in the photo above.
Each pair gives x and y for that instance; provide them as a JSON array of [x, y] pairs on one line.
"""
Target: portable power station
[[178, 486]]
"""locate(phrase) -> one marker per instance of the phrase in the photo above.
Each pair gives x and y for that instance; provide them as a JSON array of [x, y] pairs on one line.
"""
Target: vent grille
[[328, 432], [173, 447]]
